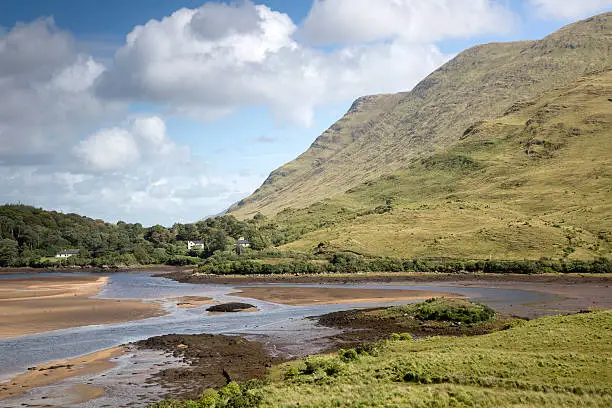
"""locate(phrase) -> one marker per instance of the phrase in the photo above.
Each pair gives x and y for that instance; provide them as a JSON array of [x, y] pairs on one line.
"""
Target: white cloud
[[118, 148], [213, 60], [108, 150], [568, 9], [151, 129], [47, 94], [358, 21]]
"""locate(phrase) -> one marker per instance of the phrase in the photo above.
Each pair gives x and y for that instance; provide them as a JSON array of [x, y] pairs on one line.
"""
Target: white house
[[241, 245], [195, 244], [67, 254], [241, 242]]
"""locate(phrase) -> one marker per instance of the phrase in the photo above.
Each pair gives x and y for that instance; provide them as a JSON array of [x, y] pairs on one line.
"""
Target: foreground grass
[[552, 361]]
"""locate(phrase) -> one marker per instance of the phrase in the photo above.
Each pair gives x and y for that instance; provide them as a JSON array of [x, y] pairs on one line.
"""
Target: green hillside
[[503, 153]]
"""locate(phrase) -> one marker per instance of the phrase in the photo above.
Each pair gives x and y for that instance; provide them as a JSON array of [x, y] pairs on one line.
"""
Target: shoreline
[[384, 277], [59, 370], [108, 270], [46, 303]]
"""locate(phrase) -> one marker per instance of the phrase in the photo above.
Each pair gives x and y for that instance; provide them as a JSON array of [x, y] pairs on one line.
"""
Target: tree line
[[32, 236]]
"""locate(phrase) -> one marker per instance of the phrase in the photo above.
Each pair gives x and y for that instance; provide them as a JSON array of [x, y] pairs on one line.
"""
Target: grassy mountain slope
[[385, 133], [536, 181]]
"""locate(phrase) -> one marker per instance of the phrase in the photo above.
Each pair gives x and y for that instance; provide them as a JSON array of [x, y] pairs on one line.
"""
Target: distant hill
[[503, 152]]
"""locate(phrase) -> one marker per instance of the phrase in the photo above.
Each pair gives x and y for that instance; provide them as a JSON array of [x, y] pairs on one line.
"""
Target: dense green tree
[[36, 234], [9, 252]]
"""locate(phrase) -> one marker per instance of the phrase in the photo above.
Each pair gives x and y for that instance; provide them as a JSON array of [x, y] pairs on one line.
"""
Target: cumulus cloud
[[357, 21], [108, 149], [47, 91], [568, 9], [118, 148], [213, 60]]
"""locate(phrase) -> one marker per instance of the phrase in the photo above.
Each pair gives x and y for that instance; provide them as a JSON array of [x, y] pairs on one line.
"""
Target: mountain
[[503, 152], [384, 133]]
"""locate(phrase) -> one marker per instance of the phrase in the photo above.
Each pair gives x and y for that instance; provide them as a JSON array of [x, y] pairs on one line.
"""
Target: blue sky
[[180, 117]]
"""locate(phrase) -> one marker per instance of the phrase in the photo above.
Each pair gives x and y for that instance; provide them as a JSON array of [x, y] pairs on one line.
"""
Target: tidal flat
[[284, 327]]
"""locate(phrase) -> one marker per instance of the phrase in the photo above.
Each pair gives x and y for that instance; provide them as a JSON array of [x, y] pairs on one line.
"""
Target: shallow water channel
[[281, 323], [285, 329]]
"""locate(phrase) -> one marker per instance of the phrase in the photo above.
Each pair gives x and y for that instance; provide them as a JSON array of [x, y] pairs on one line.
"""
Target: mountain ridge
[[383, 133]]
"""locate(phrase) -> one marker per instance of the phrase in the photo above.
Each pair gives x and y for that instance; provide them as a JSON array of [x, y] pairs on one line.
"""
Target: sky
[[163, 111]]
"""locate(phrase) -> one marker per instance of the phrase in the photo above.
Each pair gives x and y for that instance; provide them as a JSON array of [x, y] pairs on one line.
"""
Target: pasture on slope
[[534, 182]]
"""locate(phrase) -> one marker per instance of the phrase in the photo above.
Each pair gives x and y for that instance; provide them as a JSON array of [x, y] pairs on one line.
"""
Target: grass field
[[559, 361], [553, 361]]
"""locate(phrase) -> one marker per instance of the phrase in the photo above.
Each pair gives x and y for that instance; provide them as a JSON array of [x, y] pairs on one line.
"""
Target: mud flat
[[39, 304], [304, 296], [385, 277], [213, 361], [575, 292]]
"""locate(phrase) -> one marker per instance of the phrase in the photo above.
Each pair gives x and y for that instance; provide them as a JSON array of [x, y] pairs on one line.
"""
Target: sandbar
[[39, 304], [56, 371], [303, 296], [191, 302]]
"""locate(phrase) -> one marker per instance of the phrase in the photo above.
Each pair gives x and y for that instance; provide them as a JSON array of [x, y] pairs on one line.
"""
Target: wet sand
[[192, 302], [576, 291], [84, 392], [56, 371], [35, 305], [304, 296]]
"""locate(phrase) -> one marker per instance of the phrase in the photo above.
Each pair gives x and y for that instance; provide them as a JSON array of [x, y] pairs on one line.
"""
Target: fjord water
[[275, 323]]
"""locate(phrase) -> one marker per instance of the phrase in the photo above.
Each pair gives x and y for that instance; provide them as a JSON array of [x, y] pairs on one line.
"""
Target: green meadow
[[558, 361]]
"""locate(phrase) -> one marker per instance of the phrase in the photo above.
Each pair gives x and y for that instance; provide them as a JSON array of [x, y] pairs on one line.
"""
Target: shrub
[[291, 372], [348, 355], [454, 311], [368, 349], [448, 310]]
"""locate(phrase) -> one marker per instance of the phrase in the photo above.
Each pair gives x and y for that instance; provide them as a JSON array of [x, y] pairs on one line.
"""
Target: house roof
[[193, 241], [68, 252], [242, 241]]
